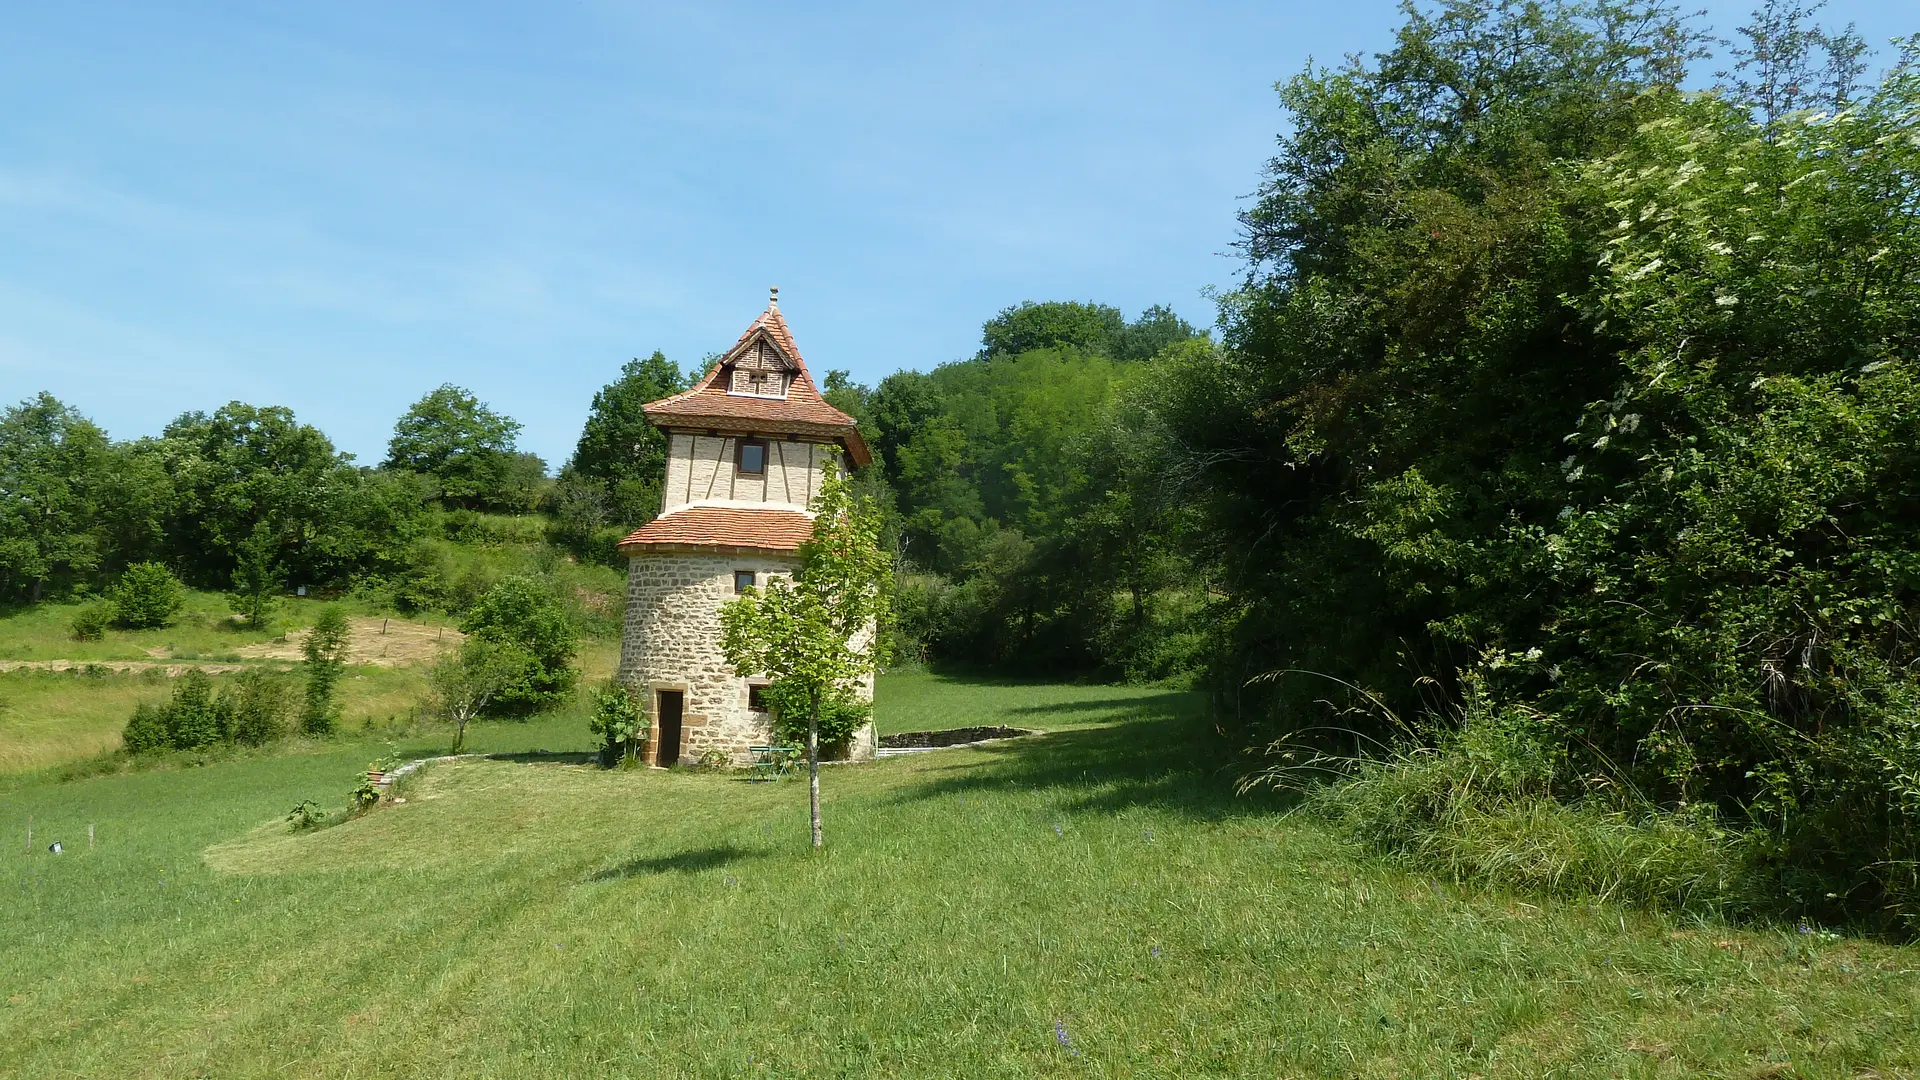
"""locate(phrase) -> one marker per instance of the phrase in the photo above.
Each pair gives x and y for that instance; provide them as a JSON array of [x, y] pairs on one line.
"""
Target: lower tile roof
[[721, 527]]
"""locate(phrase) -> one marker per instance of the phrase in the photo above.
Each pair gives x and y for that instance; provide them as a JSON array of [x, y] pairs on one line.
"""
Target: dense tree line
[[1562, 401], [1023, 506]]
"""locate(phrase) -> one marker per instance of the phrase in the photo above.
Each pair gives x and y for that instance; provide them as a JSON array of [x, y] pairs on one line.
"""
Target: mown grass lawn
[[1090, 902]]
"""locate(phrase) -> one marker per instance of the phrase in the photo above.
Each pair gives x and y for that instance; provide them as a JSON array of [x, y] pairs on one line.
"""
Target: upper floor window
[[752, 457], [742, 580]]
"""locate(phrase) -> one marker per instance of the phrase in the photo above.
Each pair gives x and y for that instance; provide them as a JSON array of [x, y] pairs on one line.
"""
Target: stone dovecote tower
[[745, 449]]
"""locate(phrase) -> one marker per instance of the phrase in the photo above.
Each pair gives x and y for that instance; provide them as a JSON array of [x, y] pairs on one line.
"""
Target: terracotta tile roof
[[802, 412], [722, 527]]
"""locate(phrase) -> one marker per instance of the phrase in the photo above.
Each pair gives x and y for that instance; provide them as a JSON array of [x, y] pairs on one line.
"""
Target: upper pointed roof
[[802, 411]]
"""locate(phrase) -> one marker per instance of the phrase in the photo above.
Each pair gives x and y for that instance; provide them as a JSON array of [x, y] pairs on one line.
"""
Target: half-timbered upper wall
[[704, 470]]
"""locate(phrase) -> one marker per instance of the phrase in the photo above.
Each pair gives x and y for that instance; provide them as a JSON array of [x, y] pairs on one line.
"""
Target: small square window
[[753, 457], [743, 580], [757, 697]]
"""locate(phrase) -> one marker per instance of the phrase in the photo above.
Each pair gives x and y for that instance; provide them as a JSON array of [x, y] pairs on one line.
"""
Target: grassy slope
[[975, 908], [49, 718], [204, 629]]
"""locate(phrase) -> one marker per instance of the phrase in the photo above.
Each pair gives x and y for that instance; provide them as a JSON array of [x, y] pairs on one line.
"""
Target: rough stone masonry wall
[[672, 642]]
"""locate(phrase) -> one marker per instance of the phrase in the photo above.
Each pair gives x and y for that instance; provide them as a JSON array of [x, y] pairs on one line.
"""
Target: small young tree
[[146, 596], [819, 635], [256, 576], [466, 681], [326, 652]]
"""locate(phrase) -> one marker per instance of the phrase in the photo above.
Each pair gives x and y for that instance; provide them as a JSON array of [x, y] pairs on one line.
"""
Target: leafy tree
[[54, 472], [524, 484], [821, 634], [1025, 327], [467, 681], [620, 454], [325, 649], [245, 466], [256, 577], [522, 611], [146, 596], [1786, 63], [453, 437]]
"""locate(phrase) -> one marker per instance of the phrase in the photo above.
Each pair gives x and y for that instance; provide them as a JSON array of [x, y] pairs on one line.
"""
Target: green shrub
[[258, 702], [840, 716], [620, 723], [524, 612], [192, 718], [305, 816], [147, 731], [195, 718], [421, 582], [464, 527], [146, 596], [91, 621]]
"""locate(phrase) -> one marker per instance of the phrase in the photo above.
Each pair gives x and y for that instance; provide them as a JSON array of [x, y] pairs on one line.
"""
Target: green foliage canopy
[[465, 446], [522, 611]]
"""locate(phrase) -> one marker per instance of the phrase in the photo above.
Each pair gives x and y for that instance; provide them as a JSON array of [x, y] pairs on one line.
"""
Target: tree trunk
[[813, 770]]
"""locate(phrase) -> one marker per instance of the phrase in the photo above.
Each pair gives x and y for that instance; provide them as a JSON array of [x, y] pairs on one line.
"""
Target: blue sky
[[337, 207]]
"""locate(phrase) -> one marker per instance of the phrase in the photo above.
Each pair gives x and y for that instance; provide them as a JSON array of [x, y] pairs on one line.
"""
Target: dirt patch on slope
[[382, 642], [172, 670]]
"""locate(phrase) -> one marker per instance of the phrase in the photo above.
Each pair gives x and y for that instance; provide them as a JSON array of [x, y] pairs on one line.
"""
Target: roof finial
[[773, 296]]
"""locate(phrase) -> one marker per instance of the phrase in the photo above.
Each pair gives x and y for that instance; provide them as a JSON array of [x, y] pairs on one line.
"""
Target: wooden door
[[666, 726]]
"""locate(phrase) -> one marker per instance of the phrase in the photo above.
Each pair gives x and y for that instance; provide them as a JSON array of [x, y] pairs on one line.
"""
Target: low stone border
[[919, 742]]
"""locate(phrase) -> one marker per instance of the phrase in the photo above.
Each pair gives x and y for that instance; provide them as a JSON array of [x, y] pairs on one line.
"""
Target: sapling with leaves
[[326, 653], [467, 681], [820, 634], [256, 576]]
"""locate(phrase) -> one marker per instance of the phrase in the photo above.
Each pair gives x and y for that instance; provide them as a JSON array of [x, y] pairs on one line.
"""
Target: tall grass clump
[[1494, 797]]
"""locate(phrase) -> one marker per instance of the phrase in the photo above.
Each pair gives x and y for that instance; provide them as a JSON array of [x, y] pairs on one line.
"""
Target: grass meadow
[[204, 629], [1092, 901]]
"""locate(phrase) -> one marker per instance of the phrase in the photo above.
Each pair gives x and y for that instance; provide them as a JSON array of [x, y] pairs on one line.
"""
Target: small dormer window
[[747, 380], [752, 457]]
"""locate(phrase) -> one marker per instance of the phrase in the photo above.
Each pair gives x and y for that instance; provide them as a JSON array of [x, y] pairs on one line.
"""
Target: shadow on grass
[[548, 757], [680, 862], [1122, 707], [1161, 752]]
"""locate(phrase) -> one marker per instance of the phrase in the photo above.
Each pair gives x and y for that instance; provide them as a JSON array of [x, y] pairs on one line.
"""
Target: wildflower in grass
[[1154, 952], [1065, 1040], [1149, 836], [1057, 830]]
